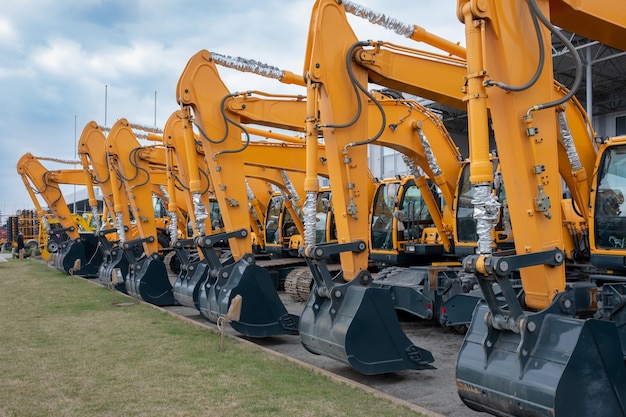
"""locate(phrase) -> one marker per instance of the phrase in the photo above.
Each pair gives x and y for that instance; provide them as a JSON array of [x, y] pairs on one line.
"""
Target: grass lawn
[[66, 351]]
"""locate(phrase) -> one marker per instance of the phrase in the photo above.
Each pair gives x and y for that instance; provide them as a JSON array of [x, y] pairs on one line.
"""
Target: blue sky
[[57, 56]]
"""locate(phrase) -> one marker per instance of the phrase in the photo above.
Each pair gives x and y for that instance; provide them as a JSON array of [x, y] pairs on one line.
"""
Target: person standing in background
[[20, 246]]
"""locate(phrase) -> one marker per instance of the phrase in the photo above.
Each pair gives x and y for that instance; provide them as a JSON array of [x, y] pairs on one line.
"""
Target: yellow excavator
[[259, 174], [134, 171], [40, 226], [227, 150], [244, 113], [346, 318], [420, 291], [432, 75], [560, 350], [437, 77], [413, 131], [262, 314], [92, 155], [408, 122], [77, 252]]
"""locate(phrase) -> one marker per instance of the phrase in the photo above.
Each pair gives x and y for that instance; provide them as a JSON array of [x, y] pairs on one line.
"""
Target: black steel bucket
[[189, 282], [358, 326], [572, 367], [263, 313], [148, 280], [84, 249], [113, 258]]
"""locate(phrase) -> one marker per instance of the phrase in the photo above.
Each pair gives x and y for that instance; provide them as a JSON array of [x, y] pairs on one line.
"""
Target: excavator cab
[[420, 275], [608, 233], [609, 220], [325, 228], [402, 229], [280, 228]]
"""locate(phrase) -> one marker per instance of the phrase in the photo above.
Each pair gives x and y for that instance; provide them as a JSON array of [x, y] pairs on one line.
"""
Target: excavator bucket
[[113, 257], [358, 326], [263, 313], [147, 277], [84, 249], [148, 280], [192, 275], [189, 283], [556, 366]]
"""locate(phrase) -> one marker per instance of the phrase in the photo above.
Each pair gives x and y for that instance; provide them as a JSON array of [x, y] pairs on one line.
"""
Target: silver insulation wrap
[[60, 161], [250, 192], [46, 223], [414, 169], [289, 185], [568, 141], [380, 19], [428, 151], [144, 128], [486, 210], [173, 227], [309, 213], [200, 213], [119, 222], [96, 218], [164, 191], [247, 65]]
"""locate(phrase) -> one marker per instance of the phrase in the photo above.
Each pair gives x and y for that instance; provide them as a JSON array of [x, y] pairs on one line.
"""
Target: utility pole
[[75, 147], [105, 105]]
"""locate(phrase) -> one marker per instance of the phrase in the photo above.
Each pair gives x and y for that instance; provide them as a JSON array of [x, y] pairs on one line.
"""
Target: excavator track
[[171, 266], [271, 263], [298, 284]]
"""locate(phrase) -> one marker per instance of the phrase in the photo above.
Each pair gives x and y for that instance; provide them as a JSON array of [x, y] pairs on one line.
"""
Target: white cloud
[[58, 55], [61, 57], [9, 38]]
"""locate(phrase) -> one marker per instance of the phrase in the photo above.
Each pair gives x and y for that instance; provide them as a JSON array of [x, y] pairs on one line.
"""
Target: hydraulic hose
[[227, 120], [542, 57], [578, 63], [49, 185], [356, 87], [359, 105]]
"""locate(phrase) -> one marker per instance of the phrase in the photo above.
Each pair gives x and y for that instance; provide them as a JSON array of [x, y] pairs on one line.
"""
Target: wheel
[[32, 243], [52, 247]]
